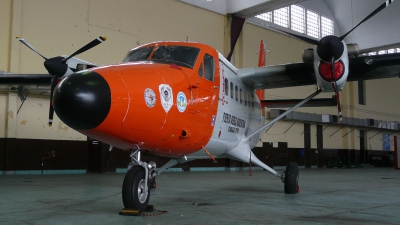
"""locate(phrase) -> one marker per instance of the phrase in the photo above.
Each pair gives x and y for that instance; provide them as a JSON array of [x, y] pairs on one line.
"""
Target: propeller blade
[[29, 46], [51, 109], [302, 38], [90, 45], [384, 5]]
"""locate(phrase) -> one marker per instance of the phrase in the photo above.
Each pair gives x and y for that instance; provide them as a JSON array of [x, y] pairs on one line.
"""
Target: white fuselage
[[239, 114]]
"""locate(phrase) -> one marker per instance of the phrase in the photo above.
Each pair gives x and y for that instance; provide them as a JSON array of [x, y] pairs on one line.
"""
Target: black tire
[[292, 178], [133, 194]]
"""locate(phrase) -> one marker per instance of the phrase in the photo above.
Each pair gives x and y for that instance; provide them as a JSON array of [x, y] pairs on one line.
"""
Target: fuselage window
[[241, 96], [236, 93], [245, 98], [208, 67], [226, 87], [249, 103], [231, 87]]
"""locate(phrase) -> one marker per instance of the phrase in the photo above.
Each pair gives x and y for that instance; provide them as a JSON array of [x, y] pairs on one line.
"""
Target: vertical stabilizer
[[261, 63]]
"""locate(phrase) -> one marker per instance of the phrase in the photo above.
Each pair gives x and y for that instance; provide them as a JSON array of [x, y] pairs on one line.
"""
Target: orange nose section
[[152, 108]]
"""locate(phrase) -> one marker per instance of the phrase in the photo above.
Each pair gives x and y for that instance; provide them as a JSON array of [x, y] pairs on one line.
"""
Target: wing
[[300, 74], [34, 83], [279, 76], [374, 67]]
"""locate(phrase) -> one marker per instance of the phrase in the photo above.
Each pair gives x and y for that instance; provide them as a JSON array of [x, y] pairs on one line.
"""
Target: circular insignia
[[181, 101], [150, 97]]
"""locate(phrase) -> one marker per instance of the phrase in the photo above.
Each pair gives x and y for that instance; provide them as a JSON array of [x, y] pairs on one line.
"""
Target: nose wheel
[[134, 194], [291, 179]]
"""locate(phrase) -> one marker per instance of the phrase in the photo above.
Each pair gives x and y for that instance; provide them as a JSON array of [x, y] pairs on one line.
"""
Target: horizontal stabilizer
[[286, 103]]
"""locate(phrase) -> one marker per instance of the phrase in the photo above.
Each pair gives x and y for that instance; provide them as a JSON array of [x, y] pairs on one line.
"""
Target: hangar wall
[[61, 27]]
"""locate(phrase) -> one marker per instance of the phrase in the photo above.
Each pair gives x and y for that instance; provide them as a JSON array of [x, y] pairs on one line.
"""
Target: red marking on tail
[[262, 52], [261, 62]]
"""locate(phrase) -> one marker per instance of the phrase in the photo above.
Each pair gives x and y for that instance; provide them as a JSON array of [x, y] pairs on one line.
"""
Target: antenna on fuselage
[[187, 38]]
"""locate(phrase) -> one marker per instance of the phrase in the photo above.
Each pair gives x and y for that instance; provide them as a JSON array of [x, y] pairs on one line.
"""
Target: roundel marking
[[181, 101], [150, 97]]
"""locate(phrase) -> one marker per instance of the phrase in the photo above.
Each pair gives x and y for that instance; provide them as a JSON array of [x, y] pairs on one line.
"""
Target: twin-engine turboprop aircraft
[[186, 101]]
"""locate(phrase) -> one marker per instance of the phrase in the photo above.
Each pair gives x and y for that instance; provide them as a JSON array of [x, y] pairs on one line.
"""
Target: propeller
[[58, 67], [331, 46]]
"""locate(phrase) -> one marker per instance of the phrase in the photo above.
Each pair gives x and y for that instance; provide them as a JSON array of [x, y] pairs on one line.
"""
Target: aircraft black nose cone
[[82, 100]]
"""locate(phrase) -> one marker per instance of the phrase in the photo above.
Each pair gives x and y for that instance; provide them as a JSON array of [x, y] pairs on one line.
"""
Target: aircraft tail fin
[[262, 53], [261, 63]]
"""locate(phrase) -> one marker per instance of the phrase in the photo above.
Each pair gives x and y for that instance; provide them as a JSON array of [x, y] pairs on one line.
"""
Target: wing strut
[[242, 151], [284, 114]]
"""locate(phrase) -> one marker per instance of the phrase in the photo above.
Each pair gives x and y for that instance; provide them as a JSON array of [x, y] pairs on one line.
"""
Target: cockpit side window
[[139, 54], [208, 67], [201, 70]]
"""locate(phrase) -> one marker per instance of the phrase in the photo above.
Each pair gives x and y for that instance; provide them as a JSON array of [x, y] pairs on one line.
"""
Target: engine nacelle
[[352, 51], [80, 66], [75, 65], [308, 55], [323, 72]]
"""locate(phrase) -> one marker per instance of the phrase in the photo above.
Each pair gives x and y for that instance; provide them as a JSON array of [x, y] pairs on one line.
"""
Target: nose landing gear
[[135, 194], [137, 183]]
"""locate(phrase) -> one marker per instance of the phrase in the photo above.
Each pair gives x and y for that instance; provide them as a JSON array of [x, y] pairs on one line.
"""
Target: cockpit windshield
[[181, 55], [139, 54]]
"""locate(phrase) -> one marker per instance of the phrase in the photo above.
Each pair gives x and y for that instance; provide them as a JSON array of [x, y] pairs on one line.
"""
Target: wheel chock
[[129, 212], [135, 212]]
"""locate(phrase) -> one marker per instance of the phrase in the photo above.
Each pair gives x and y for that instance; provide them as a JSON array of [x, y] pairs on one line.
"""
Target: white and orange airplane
[[186, 101]]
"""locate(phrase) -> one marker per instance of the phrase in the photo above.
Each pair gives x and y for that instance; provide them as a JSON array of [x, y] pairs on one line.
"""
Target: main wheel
[[133, 194], [292, 178]]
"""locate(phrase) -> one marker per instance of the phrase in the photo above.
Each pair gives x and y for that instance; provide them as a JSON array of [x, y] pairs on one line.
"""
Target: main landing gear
[[137, 183], [291, 178]]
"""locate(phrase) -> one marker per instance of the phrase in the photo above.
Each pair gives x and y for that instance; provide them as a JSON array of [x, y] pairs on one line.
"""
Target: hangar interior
[[309, 136]]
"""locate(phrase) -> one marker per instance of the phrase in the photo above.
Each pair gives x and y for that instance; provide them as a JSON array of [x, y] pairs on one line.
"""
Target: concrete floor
[[328, 196]]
